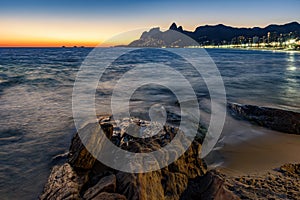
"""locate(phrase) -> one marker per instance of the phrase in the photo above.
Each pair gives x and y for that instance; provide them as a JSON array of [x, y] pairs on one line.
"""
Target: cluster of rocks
[[137, 128], [84, 177]]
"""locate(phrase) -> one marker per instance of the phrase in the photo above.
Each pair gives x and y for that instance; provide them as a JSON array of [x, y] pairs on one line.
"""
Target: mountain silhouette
[[215, 34]]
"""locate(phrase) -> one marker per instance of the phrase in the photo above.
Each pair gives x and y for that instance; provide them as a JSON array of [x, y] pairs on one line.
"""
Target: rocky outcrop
[[87, 178], [64, 183], [167, 183], [84, 177], [107, 184], [79, 157], [210, 186], [273, 118]]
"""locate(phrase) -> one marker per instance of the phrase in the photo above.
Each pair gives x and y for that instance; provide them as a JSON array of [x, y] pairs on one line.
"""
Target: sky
[[91, 22]]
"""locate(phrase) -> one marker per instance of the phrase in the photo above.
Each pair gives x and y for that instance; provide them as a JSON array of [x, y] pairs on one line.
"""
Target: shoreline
[[249, 147], [261, 154], [254, 49], [276, 138]]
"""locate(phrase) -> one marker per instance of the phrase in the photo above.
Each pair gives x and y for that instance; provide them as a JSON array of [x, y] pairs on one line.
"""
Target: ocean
[[36, 84]]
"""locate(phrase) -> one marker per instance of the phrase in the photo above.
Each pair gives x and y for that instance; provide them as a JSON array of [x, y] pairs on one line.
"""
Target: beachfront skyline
[[69, 23]]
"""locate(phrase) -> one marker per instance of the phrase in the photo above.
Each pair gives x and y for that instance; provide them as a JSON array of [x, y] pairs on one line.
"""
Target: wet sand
[[247, 149]]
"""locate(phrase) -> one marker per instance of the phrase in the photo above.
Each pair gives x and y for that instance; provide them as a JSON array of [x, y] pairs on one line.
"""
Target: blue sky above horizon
[[99, 19]]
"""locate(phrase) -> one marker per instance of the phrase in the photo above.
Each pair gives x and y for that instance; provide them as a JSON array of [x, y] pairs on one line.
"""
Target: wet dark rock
[[140, 186], [64, 183], [60, 159], [79, 156], [109, 196], [106, 184], [210, 186], [272, 118]]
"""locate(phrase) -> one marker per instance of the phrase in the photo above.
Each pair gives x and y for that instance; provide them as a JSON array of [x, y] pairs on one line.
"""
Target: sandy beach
[[247, 149]]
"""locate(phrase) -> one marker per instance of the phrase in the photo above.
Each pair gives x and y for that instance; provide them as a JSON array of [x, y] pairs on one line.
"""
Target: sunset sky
[[88, 23]]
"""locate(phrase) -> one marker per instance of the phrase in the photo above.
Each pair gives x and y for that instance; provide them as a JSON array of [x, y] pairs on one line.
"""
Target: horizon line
[[97, 45]]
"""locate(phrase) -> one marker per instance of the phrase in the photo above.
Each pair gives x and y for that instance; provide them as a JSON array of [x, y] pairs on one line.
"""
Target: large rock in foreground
[[87, 178], [84, 177]]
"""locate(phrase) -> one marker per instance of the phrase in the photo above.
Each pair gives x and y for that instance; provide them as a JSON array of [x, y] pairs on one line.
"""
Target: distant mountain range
[[216, 35]]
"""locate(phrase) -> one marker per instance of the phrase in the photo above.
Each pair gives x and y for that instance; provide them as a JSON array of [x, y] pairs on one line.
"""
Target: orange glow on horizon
[[35, 43], [55, 33], [23, 42], [27, 43], [60, 43]]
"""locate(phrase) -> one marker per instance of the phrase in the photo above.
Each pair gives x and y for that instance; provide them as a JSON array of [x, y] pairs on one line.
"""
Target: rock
[[106, 184], [174, 185], [79, 156], [210, 186], [107, 128], [63, 183], [60, 159], [141, 186], [109, 196], [290, 169], [84, 177], [273, 118], [189, 163], [167, 183]]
